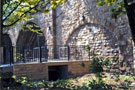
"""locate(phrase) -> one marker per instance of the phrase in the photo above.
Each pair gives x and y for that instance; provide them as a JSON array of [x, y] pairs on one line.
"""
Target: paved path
[[55, 89]]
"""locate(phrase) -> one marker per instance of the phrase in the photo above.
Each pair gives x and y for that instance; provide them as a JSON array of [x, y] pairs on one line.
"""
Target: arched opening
[[57, 72], [92, 38], [31, 45], [8, 53]]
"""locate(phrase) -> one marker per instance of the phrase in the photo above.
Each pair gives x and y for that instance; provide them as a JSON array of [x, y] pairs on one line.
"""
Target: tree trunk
[[0, 23], [130, 9], [131, 17], [0, 39]]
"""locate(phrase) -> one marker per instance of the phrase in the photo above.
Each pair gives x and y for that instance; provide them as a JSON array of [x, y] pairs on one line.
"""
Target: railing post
[[23, 48], [68, 52], [47, 53], [40, 52], [89, 55], [1, 55], [75, 52], [10, 60], [11, 55]]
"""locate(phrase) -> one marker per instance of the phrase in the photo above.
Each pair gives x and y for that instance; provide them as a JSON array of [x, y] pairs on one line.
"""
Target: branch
[[21, 16], [24, 14], [12, 11]]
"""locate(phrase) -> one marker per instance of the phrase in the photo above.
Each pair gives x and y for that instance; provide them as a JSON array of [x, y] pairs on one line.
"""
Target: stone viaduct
[[81, 22]]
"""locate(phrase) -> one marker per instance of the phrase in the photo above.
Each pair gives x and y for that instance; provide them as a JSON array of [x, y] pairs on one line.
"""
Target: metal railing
[[46, 53]]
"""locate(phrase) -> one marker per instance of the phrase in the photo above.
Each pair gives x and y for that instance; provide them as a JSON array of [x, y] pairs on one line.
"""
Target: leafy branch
[[12, 11]]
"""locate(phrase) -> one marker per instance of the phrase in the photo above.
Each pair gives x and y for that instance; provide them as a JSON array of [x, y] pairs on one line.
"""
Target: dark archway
[[58, 72], [31, 36], [31, 45], [8, 50]]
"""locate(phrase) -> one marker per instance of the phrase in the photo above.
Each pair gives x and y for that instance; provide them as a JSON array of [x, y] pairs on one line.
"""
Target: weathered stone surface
[[81, 22]]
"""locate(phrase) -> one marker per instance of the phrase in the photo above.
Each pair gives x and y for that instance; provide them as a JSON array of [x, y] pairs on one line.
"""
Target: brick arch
[[103, 29], [102, 41]]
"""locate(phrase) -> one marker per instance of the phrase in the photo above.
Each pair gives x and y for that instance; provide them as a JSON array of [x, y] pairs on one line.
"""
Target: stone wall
[[81, 22], [40, 70]]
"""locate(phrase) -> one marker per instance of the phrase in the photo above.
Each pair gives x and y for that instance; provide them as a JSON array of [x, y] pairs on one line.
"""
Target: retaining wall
[[39, 71]]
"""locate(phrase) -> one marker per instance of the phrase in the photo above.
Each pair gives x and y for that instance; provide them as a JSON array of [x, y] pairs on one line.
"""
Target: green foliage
[[39, 84], [81, 64], [21, 10], [97, 68], [25, 83], [117, 78], [96, 85], [15, 10], [32, 27], [117, 6], [63, 84], [46, 10], [98, 63], [14, 77], [126, 81], [92, 84]]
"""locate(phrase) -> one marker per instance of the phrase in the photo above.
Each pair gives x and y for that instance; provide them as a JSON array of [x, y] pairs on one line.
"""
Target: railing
[[48, 53]]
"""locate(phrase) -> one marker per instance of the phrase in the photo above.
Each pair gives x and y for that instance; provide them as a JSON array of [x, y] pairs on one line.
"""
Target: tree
[[15, 11], [122, 6], [0, 23]]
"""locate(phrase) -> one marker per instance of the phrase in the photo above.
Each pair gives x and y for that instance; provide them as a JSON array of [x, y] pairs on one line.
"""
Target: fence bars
[[26, 54]]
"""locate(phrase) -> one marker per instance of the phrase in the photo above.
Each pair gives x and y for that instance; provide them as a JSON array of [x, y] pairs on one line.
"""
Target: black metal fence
[[46, 53]]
